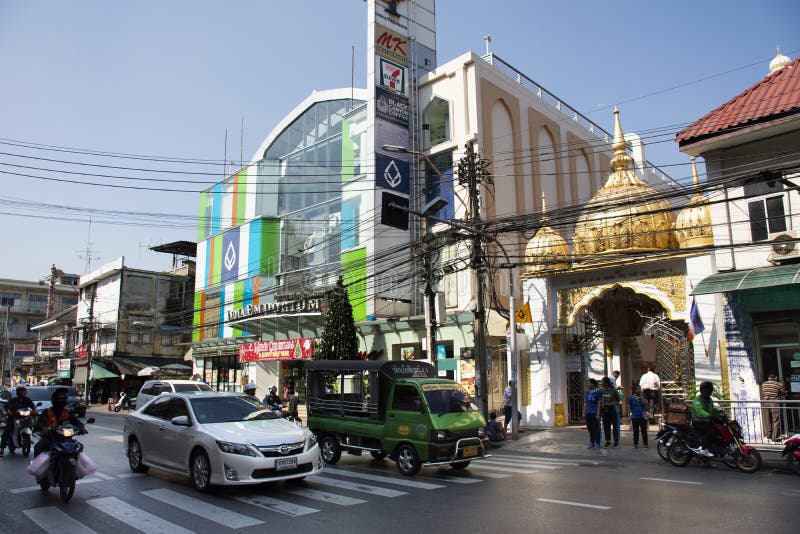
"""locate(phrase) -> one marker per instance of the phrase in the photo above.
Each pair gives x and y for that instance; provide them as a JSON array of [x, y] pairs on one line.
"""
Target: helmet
[[21, 387], [251, 386], [273, 388], [59, 392], [706, 386]]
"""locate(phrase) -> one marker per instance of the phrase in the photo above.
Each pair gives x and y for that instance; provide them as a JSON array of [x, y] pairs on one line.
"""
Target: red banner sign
[[281, 349]]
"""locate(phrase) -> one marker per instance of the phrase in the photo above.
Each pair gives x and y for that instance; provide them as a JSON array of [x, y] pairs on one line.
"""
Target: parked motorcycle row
[[677, 444]]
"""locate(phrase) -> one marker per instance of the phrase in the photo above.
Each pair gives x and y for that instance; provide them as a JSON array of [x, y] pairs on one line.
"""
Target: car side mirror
[[181, 420], [90, 420]]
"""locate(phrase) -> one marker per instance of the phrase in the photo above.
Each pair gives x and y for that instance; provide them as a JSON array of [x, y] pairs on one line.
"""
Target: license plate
[[471, 450], [284, 464]]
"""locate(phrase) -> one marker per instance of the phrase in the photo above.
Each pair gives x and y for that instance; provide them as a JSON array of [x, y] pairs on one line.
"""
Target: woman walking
[[638, 407], [592, 414]]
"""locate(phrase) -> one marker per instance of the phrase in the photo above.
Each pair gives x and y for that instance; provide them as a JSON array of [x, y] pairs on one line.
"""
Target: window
[[159, 408], [406, 398], [37, 303], [766, 217], [176, 408], [436, 122], [138, 335]]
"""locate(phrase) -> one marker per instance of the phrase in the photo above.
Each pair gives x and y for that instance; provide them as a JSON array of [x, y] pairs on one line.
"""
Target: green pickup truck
[[397, 409]]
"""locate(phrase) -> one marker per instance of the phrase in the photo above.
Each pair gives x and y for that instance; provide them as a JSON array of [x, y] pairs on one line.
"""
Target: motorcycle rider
[[58, 414], [20, 402], [250, 389], [703, 410], [272, 399]]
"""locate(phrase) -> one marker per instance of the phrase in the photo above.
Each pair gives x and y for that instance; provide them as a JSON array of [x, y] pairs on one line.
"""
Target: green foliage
[[339, 340]]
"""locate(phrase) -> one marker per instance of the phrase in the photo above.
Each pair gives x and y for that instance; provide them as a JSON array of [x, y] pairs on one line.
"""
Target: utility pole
[[472, 172], [7, 303], [88, 344]]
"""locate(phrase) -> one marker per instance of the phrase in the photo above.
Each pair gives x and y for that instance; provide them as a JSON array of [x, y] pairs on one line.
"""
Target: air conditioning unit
[[784, 245]]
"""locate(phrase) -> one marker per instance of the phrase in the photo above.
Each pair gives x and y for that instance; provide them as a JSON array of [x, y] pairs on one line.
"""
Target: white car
[[218, 439], [154, 388]]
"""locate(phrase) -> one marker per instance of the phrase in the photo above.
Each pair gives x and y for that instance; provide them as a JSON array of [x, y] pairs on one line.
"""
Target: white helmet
[[251, 386]]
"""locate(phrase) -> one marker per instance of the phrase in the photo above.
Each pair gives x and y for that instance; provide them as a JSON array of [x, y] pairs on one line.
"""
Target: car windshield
[[43, 394], [185, 387], [229, 409], [448, 398]]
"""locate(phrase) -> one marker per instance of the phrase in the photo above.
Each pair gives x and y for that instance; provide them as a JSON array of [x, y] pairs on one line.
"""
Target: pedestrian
[[638, 408], [651, 386], [609, 402], [507, 405], [592, 414], [772, 390], [495, 430]]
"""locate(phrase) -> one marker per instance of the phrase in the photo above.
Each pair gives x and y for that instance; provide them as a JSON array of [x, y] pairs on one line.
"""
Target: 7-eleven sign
[[392, 76]]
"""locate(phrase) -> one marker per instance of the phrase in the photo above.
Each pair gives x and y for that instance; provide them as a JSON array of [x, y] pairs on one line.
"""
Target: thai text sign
[[63, 364], [281, 349], [51, 345]]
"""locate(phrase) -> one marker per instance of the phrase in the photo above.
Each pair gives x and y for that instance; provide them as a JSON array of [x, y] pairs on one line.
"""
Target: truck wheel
[[407, 460], [458, 466], [331, 450]]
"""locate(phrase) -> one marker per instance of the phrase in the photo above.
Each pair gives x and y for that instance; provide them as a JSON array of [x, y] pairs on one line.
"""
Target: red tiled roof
[[776, 95]]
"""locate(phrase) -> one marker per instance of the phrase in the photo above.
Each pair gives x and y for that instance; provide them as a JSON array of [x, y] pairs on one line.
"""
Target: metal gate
[[674, 358]]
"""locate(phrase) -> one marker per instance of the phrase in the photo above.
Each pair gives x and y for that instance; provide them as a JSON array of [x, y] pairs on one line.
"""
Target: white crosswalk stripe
[[51, 519], [135, 517], [203, 509], [276, 505], [324, 496], [36, 488], [548, 459], [481, 465], [407, 482], [352, 486], [517, 463]]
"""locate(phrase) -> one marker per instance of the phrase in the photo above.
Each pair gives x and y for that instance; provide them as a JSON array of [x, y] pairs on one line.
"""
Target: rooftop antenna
[[88, 254], [488, 39], [225, 157], [241, 145]]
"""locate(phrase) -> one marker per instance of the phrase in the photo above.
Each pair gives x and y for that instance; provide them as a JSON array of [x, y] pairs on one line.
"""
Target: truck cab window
[[406, 398]]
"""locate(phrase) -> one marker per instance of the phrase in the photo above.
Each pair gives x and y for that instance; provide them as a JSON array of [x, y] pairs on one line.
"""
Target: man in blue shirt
[[592, 414]]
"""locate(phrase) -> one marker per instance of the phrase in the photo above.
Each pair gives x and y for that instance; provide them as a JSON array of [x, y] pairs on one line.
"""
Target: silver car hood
[[260, 432]]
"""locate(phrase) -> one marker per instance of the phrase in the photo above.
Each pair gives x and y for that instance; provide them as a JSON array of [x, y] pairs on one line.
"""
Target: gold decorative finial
[[695, 177], [620, 160], [544, 203]]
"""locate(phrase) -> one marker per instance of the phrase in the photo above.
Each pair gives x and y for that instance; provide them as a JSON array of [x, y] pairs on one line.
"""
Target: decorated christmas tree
[[339, 340]]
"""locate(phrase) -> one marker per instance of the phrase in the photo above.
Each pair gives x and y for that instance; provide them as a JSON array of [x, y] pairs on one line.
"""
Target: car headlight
[[311, 439], [481, 432], [439, 435], [236, 448]]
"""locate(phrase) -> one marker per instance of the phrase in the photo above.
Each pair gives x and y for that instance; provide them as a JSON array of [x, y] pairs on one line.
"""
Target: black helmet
[[59, 392], [21, 387], [706, 386]]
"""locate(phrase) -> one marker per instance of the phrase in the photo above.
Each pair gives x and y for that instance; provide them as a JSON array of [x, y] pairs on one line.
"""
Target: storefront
[[219, 367]]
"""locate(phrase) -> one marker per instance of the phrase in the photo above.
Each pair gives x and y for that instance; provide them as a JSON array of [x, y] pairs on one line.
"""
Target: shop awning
[[98, 372], [780, 275]]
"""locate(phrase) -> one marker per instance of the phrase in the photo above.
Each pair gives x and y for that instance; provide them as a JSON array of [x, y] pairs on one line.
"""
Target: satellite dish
[[783, 244]]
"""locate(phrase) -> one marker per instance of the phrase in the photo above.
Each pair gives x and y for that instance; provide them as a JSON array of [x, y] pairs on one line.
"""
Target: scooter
[[791, 450], [125, 402], [730, 448], [21, 432], [66, 463]]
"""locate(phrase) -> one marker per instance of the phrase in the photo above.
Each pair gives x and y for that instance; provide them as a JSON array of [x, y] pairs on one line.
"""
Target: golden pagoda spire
[[695, 177], [621, 160]]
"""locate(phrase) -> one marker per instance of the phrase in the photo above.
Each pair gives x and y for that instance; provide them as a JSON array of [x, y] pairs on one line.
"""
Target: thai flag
[[696, 325]]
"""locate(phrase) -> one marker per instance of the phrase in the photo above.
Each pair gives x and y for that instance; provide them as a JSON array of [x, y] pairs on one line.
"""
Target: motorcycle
[[791, 450], [21, 432], [125, 402], [728, 447], [664, 439], [64, 459]]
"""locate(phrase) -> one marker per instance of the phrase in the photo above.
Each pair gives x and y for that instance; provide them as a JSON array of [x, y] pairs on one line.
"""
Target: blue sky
[[166, 79]]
